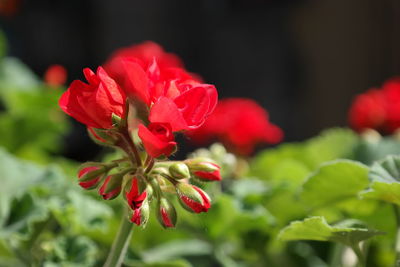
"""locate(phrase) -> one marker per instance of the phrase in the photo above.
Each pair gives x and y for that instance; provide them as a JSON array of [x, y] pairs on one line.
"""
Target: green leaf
[[369, 152], [78, 212], [331, 144], [385, 180], [171, 263], [176, 249], [17, 177], [24, 212], [291, 163], [15, 75], [334, 182], [316, 228], [70, 251]]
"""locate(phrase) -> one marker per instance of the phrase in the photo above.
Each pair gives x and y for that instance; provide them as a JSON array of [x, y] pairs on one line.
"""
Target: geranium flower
[[55, 75], [147, 95], [240, 124], [377, 109]]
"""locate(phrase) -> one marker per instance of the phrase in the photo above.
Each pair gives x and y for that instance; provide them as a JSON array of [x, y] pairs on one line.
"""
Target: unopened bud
[[90, 174], [201, 164], [101, 136], [179, 170], [160, 170], [141, 215], [136, 194], [204, 169], [111, 186], [166, 213], [193, 198]]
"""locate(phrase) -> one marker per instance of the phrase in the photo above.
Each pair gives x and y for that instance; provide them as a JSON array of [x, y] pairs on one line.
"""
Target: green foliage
[[36, 201], [316, 228], [334, 181], [47, 220], [385, 180], [369, 151], [31, 123], [307, 155]]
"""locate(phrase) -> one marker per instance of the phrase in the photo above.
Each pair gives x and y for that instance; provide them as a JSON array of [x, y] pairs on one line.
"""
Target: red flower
[[148, 83], [144, 54], [377, 109], [188, 110], [193, 198], [391, 90], [240, 124], [93, 104], [368, 111], [173, 95], [157, 139], [55, 75]]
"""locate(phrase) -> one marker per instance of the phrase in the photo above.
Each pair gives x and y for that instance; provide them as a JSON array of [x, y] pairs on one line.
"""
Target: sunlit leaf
[[316, 228], [333, 182], [385, 180]]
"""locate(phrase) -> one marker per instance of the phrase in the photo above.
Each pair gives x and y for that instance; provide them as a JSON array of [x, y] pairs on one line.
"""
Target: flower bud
[[111, 186], [179, 170], [166, 213], [193, 198], [204, 169], [135, 196], [140, 216], [201, 164], [90, 175], [102, 137]]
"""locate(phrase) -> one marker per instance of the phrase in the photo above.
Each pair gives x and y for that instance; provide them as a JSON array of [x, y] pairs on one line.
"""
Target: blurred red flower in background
[[55, 75], [9, 8], [377, 109], [240, 124]]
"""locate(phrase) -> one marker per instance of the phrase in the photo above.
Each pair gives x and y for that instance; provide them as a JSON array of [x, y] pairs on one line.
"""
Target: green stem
[[335, 258], [360, 255], [130, 148], [120, 245], [397, 243], [149, 164]]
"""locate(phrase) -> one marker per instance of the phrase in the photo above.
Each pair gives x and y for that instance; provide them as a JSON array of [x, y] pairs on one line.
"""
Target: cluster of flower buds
[[136, 104], [140, 187]]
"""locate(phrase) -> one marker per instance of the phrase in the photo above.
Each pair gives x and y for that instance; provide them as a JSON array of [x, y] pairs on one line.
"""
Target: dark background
[[303, 60]]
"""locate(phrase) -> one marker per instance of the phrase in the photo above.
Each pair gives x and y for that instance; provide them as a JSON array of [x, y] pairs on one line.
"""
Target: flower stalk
[[121, 243], [397, 242]]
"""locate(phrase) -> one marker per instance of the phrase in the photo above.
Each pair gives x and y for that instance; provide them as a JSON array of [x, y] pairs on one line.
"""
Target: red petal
[[154, 145], [136, 82], [166, 111]]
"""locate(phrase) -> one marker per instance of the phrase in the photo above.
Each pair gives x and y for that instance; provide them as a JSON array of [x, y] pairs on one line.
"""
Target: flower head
[[377, 109], [55, 75], [148, 95]]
